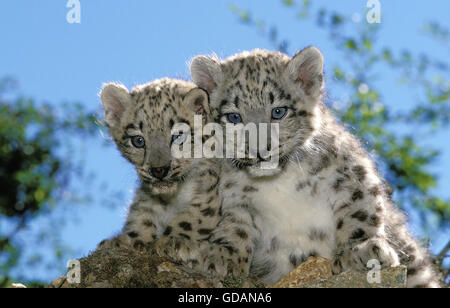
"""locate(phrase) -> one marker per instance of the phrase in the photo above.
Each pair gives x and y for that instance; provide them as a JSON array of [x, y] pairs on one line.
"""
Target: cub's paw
[[358, 257], [176, 248], [115, 242], [122, 241], [375, 249], [224, 261]]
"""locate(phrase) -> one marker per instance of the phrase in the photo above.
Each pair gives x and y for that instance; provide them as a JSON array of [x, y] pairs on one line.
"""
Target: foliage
[[34, 171]]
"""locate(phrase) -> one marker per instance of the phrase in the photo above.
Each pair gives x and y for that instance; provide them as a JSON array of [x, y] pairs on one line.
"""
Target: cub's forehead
[[254, 76], [250, 64], [160, 103]]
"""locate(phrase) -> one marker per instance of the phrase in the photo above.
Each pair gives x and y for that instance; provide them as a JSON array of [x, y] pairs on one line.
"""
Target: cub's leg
[[183, 238], [142, 226]]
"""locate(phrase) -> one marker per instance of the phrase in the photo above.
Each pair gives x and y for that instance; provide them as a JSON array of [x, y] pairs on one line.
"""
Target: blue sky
[[136, 41]]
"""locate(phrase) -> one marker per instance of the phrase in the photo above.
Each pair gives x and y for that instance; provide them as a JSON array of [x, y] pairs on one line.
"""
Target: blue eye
[[138, 141], [234, 118], [278, 113], [179, 138]]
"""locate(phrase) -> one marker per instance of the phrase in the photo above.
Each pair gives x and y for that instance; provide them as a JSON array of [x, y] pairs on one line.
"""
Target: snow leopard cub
[[176, 203], [325, 198]]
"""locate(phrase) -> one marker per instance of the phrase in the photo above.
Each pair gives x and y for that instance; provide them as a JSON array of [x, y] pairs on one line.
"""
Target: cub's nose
[[159, 172]]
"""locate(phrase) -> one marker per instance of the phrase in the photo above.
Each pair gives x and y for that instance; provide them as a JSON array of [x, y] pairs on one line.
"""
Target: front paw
[[115, 242], [358, 257], [122, 241], [223, 262], [178, 249]]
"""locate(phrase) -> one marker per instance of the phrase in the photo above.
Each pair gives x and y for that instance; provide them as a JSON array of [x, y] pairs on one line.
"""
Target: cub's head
[[265, 87], [141, 123]]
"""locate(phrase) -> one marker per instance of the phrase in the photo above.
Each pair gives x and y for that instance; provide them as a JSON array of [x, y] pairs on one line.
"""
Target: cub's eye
[[138, 141], [278, 113], [234, 118], [179, 139]]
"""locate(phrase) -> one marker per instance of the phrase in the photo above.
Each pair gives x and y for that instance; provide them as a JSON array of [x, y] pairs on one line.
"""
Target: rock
[[310, 270], [316, 273], [127, 268], [394, 277]]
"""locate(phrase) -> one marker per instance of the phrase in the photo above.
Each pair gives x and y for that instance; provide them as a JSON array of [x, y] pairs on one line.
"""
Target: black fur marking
[[168, 230], [208, 212], [374, 220], [249, 189], [271, 97], [242, 234], [340, 223], [296, 260], [361, 215], [186, 226], [302, 113], [357, 195], [360, 172], [185, 236], [357, 234], [302, 184], [229, 185], [148, 223], [205, 231], [317, 235], [133, 234]]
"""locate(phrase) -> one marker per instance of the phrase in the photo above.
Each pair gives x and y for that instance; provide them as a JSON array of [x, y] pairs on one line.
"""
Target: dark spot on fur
[[208, 212], [230, 249], [375, 191], [412, 271], [186, 226], [360, 172], [185, 236], [313, 253], [340, 223], [302, 184], [357, 195], [271, 97], [302, 113], [296, 260], [229, 184], [375, 220], [343, 206], [168, 230], [133, 234], [361, 215], [242, 234], [357, 234], [249, 189], [205, 231], [147, 223], [317, 235]]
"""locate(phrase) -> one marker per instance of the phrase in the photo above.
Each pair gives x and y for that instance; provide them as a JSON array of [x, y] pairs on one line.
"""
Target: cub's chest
[[178, 203], [291, 207]]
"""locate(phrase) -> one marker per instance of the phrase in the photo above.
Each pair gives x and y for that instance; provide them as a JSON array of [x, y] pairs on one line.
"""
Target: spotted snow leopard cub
[[325, 198], [177, 201]]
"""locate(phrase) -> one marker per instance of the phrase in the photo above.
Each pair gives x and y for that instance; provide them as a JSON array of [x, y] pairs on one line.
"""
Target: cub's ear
[[197, 100], [206, 72], [115, 99], [305, 70]]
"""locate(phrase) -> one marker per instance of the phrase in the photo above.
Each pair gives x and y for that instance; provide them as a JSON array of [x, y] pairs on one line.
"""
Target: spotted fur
[[180, 209], [325, 199]]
